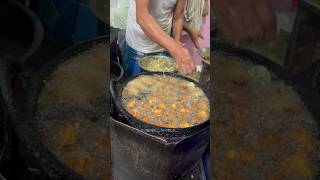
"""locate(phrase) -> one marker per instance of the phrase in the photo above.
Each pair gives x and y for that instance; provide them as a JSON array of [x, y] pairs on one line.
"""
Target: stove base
[[196, 173]]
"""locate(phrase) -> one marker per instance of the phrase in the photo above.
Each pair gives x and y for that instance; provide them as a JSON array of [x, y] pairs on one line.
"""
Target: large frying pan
[[310, 97], [116, 92], [23, 90]]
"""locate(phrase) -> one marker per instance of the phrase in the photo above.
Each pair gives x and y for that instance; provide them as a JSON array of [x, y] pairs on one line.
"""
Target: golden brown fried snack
[[293, 111], [184, 105], [232, 155], [304, 138], [232, 135], [106, 177], [277, 175], [67, 136], [80, 163], [247, 154], [104, 139], [241, 116], [297, 163], [227, 174], [271, 139]]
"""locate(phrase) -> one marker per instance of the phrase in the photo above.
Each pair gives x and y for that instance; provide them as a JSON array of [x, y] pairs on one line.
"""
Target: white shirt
[[119, 13], [162, 11]]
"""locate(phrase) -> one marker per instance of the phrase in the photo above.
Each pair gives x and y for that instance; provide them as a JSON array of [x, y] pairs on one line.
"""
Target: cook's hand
[[195, 36], [243, 20], [179, 42], [205, 8], [183, 59]]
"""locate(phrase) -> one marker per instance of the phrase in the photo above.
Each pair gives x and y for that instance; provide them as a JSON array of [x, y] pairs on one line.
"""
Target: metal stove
[[138, 155]]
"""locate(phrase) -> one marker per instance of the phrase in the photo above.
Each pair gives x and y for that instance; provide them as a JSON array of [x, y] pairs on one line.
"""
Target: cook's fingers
[[201, 36], [192, 65], [197, 44], [180, 43], [188, 69], [184, 69], [179, 66]]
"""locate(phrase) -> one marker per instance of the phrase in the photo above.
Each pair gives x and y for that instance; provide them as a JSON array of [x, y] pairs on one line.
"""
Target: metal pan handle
[[310, 77], [121, 72], [113, 89], [5, 81]]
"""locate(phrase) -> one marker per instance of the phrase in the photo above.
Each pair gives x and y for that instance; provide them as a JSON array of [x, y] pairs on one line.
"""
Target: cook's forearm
[[153, 30], [178, 19], [178, 25], [186, 27]]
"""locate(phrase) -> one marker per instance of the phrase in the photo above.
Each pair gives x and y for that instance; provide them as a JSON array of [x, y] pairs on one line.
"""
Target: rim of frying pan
[[119, 70], [309, 97], [5, 131], [143, 125], [53, 165], [37, 33], [227, 49]]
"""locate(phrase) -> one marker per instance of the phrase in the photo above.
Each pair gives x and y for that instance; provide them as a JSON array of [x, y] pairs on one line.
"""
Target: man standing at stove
[[149, 28]]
